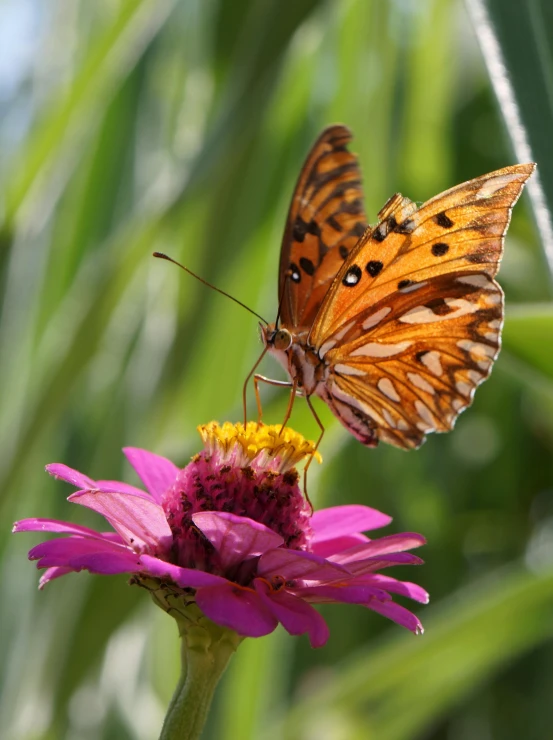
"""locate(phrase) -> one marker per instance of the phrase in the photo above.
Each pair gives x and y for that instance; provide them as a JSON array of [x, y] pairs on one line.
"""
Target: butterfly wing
[[411, 324], [325, 221]]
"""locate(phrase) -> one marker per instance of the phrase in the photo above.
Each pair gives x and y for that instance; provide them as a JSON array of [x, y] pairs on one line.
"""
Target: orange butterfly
[[393, 326]]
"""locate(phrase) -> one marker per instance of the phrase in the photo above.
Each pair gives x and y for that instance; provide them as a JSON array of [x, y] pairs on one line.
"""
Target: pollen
[[267, 445]]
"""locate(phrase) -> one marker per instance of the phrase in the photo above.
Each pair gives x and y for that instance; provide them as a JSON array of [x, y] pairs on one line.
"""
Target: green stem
[[205, 653]]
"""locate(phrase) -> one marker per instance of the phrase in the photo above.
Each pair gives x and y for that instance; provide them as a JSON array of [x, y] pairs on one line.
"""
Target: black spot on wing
[[352, 276], [439, 307], [301, 228], [374, 267], [331, 221], [443, 220], [383, 229], [307, 266], [358, 230], [405, 227], [439, 249]]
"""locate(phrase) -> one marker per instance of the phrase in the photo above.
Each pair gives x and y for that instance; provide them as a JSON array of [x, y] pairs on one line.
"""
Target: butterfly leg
[[318, 442], [270, 381], [288, 414], [245, 388]]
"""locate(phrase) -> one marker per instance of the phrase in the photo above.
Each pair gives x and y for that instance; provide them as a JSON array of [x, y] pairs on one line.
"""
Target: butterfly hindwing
[[418, 364], [325, 221]]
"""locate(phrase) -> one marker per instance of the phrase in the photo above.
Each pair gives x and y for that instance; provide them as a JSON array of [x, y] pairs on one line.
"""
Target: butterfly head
[[276, 339]]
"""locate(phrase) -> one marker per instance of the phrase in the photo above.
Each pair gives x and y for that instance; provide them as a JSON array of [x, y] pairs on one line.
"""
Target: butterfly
[[393, 326]]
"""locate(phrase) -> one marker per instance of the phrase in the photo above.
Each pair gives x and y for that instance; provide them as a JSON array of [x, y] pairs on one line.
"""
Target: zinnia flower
[[232, 534]]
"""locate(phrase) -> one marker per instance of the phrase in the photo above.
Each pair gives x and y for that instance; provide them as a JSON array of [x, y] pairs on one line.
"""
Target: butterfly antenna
[[162, 256]]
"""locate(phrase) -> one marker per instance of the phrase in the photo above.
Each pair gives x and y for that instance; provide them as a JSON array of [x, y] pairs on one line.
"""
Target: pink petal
[[342, 593], [78, 553], [398, 614], [349, 519], [50, 573], [63, 472], [295, 564], [296, 616], [326, 548], [156, 472], [236, 538], [238, 608], [54, 525], [382, 546], [139, 520], [403, 588], [183, 577], [370, 565], [118, 486]]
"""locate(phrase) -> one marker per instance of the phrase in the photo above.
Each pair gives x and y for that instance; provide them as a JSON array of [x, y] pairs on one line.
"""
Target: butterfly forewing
[[461, 230], [325, 221], [412, 322]]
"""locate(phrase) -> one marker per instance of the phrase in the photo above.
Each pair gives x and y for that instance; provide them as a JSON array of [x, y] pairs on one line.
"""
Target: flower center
[[247, 471]]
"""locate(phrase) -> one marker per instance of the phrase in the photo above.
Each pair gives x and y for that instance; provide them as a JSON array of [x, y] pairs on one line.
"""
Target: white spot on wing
[[477, 350], [424, 315], [373, 349], [376, 318], [475, 377], [356, 403], [343, 331], [326, 346], [491, 186], [411, 288], [425, 415], [331, 343], [419, 382], [458, 405], [386, 387], [389, 418], [478, 281], [493, 299], [348, 370], [463, 388], [431, 360]]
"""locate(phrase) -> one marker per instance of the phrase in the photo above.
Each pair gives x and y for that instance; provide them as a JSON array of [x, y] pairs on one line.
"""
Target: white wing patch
[[374, 349]]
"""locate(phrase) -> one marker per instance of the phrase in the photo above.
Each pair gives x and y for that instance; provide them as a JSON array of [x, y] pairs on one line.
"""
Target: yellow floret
[[285, 447]]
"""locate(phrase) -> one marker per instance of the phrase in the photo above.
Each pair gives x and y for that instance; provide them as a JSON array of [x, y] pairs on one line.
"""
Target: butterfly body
[[395, 325]]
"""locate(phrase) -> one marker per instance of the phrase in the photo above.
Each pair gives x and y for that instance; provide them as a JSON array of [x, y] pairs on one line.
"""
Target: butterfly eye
[[282, 339]]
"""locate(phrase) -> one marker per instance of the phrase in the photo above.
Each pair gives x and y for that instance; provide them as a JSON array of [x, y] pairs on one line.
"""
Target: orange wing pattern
[[325, 221], [411, 324]]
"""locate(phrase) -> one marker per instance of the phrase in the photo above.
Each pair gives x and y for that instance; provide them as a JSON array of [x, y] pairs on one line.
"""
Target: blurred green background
[[132, 126]]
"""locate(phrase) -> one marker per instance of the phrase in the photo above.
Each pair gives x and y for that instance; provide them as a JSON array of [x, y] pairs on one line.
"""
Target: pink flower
[[233, 533]]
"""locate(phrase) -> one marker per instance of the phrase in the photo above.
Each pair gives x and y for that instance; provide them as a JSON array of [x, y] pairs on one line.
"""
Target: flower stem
[[205, 653]]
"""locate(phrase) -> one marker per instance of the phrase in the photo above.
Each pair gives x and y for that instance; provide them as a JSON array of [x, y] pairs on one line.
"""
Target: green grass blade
[[516, 40]]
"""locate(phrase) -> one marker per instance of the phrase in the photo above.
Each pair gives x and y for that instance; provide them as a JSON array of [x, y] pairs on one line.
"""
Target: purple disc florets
[[213, 481]]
